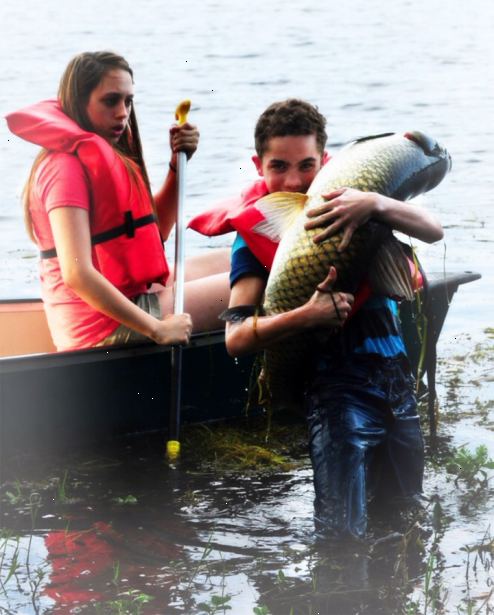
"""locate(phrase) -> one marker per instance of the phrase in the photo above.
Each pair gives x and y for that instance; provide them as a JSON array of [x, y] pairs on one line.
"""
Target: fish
[[401, 166]]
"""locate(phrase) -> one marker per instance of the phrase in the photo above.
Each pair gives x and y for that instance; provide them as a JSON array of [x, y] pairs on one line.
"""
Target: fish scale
[[399, 166]]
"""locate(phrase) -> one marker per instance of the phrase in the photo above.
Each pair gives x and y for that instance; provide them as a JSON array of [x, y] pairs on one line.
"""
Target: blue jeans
[[360, 411]]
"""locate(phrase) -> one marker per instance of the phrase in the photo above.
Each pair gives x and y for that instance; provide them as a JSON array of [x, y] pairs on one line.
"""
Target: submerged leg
[[342, 441]]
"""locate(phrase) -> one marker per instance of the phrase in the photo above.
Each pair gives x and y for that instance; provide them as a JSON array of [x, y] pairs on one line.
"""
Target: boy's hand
[[183, 138], [344, 209], [328, 308]]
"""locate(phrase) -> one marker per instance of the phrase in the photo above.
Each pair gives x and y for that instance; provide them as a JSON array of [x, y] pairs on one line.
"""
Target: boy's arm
[[348, 209], [324, 309]]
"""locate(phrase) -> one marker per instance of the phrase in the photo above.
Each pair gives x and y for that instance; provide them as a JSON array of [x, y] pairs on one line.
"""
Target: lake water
[[371, 66]]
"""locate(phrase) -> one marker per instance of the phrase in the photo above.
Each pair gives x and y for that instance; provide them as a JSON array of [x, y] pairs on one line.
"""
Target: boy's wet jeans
[[360, 411]]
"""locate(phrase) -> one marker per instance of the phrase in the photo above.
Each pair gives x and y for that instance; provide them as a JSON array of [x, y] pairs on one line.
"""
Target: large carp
[[394, 165]]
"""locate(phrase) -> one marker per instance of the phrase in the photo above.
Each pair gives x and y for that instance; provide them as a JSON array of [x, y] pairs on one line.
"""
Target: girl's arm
[[183, 138], [71, 233]]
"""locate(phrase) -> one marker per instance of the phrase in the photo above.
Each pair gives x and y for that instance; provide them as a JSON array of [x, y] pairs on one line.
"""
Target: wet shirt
[[374, 329]]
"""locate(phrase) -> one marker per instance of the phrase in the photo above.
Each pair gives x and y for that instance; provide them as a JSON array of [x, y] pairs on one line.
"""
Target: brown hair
[[81, 76], [291, 117]]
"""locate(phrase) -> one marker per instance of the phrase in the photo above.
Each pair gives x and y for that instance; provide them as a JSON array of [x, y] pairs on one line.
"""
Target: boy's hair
[[291, 117]]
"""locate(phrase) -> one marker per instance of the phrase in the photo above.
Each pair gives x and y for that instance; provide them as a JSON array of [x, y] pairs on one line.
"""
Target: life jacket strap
[[127, 228]]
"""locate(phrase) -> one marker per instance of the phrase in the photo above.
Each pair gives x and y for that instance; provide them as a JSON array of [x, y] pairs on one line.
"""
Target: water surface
[[124, 528]]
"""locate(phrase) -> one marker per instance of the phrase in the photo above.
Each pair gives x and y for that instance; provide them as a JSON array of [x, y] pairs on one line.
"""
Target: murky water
[[114, 530]]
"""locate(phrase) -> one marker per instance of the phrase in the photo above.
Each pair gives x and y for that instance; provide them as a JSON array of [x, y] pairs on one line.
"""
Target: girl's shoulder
[[59, 164], [60, 178]]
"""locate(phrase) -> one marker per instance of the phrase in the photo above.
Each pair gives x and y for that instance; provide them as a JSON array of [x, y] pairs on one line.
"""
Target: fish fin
[[389, 273], [280, 210]]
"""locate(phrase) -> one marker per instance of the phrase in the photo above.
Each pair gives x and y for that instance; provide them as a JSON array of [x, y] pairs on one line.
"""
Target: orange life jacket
[[126, 243]]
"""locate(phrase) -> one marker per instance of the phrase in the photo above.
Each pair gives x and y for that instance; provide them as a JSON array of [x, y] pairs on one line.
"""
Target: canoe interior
[[64, 399], [23, 328]]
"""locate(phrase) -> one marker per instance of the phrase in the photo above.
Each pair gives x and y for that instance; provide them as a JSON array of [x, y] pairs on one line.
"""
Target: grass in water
[[244, 447]]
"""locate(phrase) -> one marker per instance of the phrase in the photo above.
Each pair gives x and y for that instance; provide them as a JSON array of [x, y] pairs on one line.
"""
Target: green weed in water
[[129, 603], [232, 447], [61, 489], [470, 467], [14, 566], [128, 499], [217, 604], [116, 573], [15, 497]]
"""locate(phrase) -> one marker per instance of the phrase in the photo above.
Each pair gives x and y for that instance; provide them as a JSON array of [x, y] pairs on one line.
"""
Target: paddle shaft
[[178, 303], [173, 444]]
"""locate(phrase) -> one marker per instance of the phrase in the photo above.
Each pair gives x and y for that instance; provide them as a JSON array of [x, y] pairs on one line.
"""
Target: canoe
[[52, 399]]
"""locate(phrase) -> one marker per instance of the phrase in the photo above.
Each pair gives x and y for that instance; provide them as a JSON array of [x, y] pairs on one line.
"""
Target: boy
[[361, 396]]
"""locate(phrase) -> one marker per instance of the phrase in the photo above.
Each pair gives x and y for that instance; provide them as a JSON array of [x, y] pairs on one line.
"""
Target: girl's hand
[[173, 329], [344, 209], [183, 138]]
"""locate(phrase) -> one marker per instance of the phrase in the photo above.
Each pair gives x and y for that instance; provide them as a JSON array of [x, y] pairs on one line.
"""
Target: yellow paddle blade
[[173, 449], [182, 111]]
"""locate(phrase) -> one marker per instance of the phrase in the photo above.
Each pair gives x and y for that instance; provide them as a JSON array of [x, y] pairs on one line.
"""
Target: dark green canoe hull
[[67, 399]]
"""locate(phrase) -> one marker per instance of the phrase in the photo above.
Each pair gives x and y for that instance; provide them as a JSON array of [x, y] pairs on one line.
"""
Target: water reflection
[[126, 532]]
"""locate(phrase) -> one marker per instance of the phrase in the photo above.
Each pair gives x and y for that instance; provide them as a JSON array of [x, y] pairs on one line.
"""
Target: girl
[[89, 208]]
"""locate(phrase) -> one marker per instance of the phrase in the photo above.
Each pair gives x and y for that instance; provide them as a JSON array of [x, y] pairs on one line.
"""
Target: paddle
[[173, 444]]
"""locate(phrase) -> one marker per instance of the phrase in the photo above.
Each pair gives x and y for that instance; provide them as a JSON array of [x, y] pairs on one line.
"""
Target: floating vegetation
[[244, 447]]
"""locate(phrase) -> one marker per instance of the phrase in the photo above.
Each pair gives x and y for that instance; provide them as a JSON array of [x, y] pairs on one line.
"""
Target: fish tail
[[390, 273]]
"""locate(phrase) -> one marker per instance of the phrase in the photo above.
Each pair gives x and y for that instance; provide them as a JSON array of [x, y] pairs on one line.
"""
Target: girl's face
[[110, 103]]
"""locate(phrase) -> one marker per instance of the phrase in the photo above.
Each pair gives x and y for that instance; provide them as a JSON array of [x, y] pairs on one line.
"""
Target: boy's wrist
[[379, 205]]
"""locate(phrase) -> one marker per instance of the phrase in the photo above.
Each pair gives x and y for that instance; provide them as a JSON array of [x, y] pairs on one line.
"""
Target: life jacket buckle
[[129, 224]]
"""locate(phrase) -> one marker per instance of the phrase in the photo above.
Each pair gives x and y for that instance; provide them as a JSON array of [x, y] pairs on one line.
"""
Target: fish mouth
[[429, 146]]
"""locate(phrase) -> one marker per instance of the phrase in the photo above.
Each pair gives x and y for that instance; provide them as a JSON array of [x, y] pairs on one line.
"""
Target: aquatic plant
[[61, 489], [470, 467], [129, 602], [123, 501], [244, 447], [16, 497], [16, 574], [14, 565], [217, 604]]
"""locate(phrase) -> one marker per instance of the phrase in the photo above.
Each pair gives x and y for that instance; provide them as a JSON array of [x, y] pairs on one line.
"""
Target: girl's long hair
[[82, 75]]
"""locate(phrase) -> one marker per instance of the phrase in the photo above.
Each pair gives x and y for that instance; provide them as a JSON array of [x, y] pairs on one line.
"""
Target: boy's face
[[290, 163]]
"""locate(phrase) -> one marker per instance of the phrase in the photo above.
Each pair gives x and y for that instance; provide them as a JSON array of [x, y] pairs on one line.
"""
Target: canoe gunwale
[[97, 355], [10, 364]]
